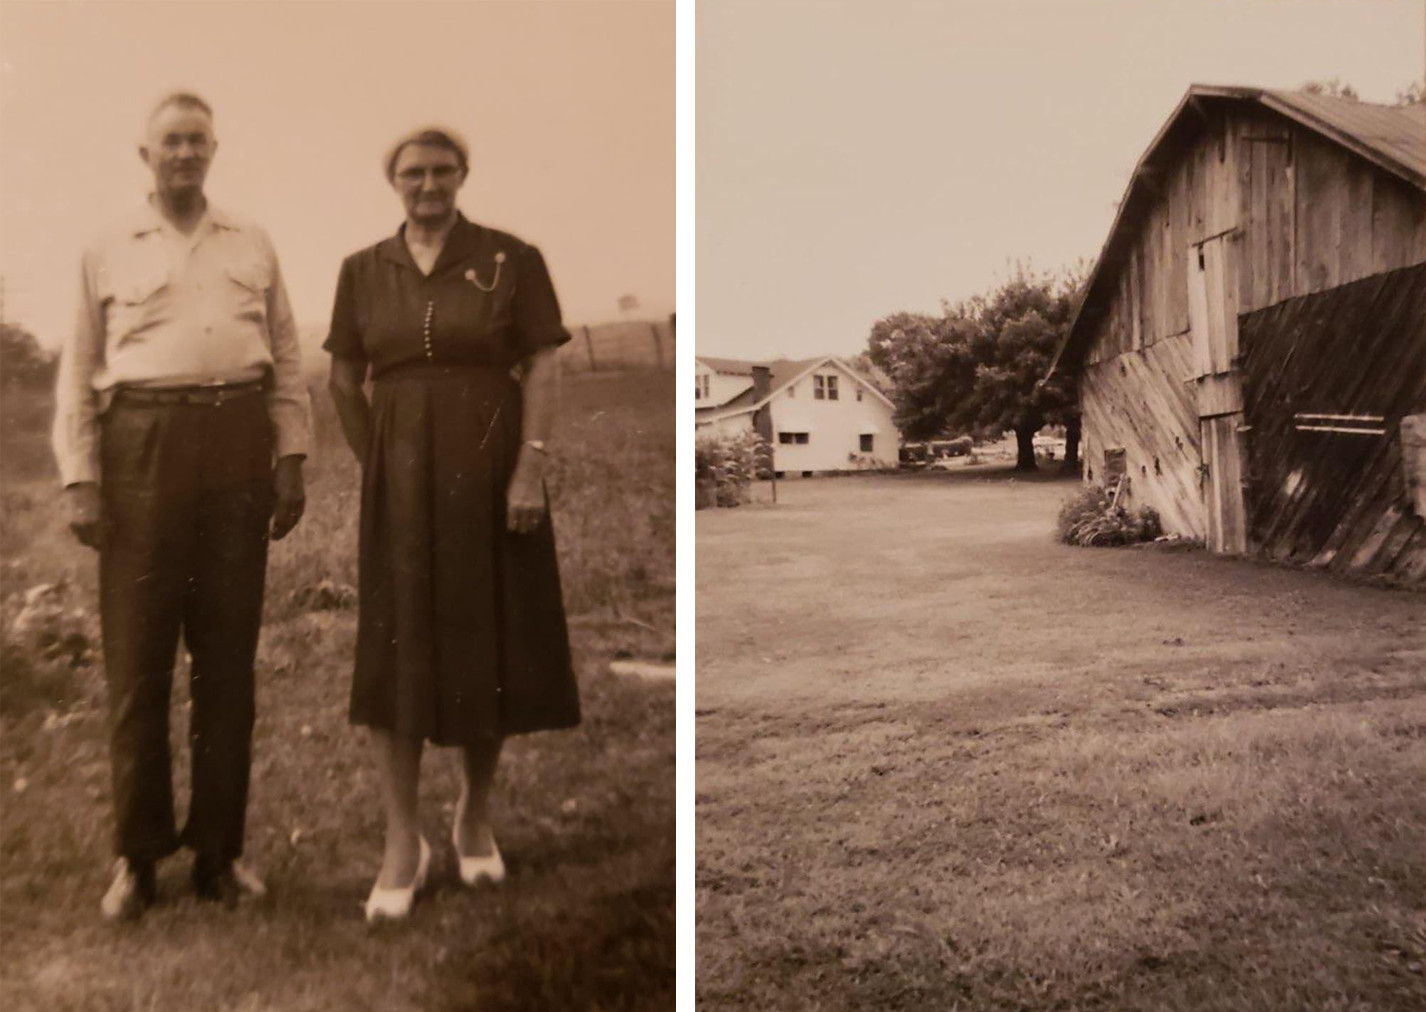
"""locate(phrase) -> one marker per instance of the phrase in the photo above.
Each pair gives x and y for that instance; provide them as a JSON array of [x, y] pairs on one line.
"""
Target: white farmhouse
[[817, 413]]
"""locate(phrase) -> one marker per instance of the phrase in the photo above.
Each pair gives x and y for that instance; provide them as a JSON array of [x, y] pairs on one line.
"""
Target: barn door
[[1213, 321]]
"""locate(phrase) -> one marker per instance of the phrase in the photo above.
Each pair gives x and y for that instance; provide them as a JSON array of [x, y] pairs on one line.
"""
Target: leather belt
[[212, 396]]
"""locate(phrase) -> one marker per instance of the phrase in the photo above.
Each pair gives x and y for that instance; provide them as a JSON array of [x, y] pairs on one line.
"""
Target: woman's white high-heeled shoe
[[395, 904], [473, 869]]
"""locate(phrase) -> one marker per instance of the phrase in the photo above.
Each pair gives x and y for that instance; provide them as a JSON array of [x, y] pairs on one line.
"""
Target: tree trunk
[[1025, 448], [1072, 446]]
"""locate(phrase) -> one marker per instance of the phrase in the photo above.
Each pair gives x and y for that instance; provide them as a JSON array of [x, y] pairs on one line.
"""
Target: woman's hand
[[525, 498]]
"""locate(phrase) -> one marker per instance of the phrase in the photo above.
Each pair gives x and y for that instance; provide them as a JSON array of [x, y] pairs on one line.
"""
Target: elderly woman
[[462, 638]]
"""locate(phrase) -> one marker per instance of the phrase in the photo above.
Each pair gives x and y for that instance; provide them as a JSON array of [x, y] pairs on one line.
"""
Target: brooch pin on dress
[[473, 279]]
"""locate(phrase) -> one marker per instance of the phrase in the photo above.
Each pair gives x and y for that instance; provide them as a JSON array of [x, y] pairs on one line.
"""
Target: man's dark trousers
[[188, 498]]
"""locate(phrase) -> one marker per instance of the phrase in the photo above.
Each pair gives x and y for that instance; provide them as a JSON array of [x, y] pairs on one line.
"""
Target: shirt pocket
[[136, 294], [247, 286]]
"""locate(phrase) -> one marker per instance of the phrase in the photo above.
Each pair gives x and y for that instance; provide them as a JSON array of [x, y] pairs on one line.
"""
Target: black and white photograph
[[1059, 396], [337, 509]]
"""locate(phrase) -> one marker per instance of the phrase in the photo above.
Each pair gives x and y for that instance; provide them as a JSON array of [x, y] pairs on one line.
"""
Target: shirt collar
[[146, 218]]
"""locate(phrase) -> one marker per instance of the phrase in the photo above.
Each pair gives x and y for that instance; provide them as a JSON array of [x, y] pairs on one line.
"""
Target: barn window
[[789, 438], [831, 388], [867, 439], [819, 388]]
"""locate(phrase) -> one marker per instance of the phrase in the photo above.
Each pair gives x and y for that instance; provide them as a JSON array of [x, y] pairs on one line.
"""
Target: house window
[[819, 388], [831, 388], [866, 442], [789, 438], [701, 389]]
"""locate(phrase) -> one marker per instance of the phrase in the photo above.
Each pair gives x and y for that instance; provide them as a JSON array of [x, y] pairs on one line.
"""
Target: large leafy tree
[[981, 364]]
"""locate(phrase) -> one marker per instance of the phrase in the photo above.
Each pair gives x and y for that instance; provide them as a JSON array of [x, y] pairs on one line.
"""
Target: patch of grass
[[950, 777], [584, 817]]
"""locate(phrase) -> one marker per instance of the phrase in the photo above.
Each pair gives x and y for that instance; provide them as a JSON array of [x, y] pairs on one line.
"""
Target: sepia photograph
[[337, 510], [1060, 447]]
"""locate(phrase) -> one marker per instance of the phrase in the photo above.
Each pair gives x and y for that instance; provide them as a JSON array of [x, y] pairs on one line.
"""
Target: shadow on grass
[[616, 954], [1049, 473]]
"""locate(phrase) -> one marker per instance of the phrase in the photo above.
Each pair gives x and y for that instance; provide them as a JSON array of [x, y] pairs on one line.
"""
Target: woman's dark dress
[[462, 631]]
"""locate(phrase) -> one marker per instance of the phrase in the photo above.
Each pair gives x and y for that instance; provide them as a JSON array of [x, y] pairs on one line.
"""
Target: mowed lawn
[[944, 762], [585, 818]]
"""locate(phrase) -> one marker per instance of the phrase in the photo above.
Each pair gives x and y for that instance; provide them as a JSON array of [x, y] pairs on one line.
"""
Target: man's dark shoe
[[225, 882], [133, 890]]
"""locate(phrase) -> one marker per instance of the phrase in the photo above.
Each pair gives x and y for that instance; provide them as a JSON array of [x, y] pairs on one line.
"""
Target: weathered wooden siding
[[1143, 401], [1337, 499], [1308, 217]]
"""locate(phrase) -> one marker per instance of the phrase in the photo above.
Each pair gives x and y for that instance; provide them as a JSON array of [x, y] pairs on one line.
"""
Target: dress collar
[[464, 238]]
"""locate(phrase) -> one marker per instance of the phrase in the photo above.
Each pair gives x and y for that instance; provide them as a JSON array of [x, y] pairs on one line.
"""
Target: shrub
[[22, 361], [1088, 518], [725, 466]]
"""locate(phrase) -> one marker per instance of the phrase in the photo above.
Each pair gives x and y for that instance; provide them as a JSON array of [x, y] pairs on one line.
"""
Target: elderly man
[[181, 425]]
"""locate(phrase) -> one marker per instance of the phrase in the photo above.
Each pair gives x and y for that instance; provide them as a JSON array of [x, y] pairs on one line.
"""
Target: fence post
[[658, 347], [589, 343]]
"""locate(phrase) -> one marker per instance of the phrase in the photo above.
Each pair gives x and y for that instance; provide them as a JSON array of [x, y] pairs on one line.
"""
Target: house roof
[[726, 366], [784, 372], [1391, 137]]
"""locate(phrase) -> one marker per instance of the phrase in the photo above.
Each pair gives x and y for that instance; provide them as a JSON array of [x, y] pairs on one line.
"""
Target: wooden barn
[[1251, 343]]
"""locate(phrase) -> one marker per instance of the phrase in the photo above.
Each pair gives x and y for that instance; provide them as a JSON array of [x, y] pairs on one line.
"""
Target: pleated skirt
[[462, 633]]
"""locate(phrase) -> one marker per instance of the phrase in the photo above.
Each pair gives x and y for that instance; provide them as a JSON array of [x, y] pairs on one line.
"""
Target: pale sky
[[569, 107], [857, 158]]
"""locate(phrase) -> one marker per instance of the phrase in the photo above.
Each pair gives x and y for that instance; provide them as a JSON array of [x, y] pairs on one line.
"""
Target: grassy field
[[585, 818], [946, 763]]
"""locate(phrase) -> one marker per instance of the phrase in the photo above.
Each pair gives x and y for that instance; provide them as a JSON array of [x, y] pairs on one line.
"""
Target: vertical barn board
[[1287, 209], [1196, 162], [1175, 239], [1223, 286], [1243, 152], [1281, 180], [1321, 174], [1398, 213], [1355, 249], [1227, 518], [1198, 320]]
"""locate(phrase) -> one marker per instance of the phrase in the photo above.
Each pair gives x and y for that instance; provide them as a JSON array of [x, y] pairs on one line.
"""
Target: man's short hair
[[436, 137], [183, 100]]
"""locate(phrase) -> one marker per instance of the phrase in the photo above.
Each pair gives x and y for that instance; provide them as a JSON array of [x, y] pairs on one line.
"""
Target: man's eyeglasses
[[439, 173]]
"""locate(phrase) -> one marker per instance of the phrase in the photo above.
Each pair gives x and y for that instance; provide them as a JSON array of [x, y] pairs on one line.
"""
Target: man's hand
[[525, 499], [86, 513], [291, 497]]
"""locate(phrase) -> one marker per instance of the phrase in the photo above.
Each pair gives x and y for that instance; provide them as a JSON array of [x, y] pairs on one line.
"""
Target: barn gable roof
[[1391, 137]]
